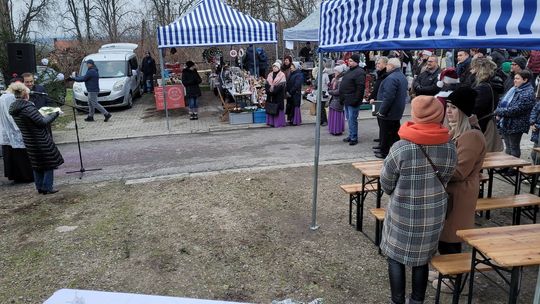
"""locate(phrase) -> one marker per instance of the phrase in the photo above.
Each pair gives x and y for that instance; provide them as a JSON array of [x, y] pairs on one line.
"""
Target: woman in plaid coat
[[416, 211]]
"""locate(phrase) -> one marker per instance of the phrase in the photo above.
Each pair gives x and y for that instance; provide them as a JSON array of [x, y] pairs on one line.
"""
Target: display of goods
[[211, 55]]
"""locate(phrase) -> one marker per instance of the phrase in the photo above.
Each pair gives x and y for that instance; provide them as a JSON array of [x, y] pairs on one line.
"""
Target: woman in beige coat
[[465, 183]]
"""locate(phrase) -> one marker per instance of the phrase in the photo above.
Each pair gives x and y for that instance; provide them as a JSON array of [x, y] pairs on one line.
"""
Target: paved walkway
[[144, 120]]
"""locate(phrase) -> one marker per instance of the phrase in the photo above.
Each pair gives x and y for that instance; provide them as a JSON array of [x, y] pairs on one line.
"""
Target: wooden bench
[[379, 214], [356, 197], [453, 267], [517, 202]]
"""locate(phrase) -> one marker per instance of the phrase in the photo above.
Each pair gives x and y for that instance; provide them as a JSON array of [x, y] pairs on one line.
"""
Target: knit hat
[[427, 52], [447, 76], [463, 98], [426, 109], [339, 69], [505, 66], [521, 61], [297, 65], [190, 64], [356, 58], [90, 61], [276, 64]]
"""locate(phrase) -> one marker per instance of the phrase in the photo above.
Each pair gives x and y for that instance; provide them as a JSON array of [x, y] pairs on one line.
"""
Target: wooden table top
[[502, 160], [371, 168], [507, 246]]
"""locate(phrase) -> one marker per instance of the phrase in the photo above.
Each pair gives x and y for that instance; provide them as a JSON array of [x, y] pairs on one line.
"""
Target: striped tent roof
[[212, 22], [348, 25]]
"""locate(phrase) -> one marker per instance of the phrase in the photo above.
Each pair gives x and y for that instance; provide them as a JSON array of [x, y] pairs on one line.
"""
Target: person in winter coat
[[336, 118], [286, 66], [415, 214], [518, 64], [393, 94], [42, 152], [148, 68], [91, 81], [514, 110], [486, 101], [275, 96], [534, 121], [191, 80], [351, 93], [38, 100], [534, 63], [465, 182], [380, 75], [463, 67], [294, 95], [17, 165], [426, 82], [498, 56]]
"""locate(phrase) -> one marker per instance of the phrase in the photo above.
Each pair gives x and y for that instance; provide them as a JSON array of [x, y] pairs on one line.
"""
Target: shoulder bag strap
[[433, 166]]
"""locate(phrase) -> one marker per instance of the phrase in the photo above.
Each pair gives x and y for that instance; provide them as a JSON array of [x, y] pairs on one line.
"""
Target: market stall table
[[501, 248], [501, 160]]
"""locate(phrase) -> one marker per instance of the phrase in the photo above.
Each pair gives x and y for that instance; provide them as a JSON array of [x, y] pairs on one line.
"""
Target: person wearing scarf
[[513, 112], [294, 94], [275, 94], [416, 211]]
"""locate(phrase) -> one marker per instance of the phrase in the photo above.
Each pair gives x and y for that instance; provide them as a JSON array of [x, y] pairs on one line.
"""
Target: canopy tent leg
[[255, 61], [314, 225], [277, 54], [163, 83]]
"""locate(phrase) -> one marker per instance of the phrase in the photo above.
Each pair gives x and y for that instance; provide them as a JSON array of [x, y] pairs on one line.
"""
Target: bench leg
[[438, 292], [359, 211], [457, 289], [514, 285], [378, 228], [351, 199]]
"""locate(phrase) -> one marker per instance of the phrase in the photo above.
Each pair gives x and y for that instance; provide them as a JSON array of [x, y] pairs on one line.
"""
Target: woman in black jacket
[[43, 154], [486, 101], [191, 81], [294, 94]]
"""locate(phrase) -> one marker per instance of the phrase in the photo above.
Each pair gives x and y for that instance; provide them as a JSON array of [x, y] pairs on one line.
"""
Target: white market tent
[[213, 22], [361, 25], [306, 30]]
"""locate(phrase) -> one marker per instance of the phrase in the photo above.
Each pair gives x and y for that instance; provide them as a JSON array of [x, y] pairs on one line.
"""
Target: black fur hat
[[463, 98]]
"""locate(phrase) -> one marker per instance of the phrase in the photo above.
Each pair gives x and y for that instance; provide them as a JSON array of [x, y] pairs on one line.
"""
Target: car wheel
[[140, 90], [130, 101]]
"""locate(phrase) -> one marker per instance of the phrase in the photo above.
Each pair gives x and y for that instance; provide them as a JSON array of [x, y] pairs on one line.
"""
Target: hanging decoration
[[212, 55]]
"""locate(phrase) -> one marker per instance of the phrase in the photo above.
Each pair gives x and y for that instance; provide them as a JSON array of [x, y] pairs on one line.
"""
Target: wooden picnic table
[[503, 248], [501, 160], [371, 172]]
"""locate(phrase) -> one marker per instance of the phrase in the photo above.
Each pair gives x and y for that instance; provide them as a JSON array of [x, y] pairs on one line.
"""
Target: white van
[[120, 79]]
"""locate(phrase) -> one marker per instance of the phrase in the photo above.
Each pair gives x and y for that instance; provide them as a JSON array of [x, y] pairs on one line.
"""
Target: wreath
[[210, 55], [233, 53]]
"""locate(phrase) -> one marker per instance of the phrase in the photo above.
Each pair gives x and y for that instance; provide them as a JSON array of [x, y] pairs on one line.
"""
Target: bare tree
[[78, 19], [113, 15], [35, 11], [163, 12]]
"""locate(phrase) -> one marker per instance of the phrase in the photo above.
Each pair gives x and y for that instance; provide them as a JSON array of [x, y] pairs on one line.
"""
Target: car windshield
[[108, 69]]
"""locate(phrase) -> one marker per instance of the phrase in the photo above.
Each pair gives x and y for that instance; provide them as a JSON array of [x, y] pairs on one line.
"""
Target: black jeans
[[324, 118], [396, 274], [388, 133], [449, 248]]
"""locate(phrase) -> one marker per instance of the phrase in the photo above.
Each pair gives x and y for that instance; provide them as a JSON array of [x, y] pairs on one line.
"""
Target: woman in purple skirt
[[294, 94], [336, 119], [275, 97]]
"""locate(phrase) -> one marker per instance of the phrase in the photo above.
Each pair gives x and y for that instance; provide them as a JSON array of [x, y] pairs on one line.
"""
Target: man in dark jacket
[[294, 94], [351, 93], [91, 81], [380, 72], [463, 68], [426, 82], [148, 68], [393, 94], [38, 99], [518, 64]]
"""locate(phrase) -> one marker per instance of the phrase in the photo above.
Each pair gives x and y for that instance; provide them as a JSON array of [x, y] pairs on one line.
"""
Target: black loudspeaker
[[21, 58]]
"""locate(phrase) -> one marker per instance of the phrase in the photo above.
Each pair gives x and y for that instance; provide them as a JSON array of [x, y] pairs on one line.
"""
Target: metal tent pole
[[314, 225], [163, 84]]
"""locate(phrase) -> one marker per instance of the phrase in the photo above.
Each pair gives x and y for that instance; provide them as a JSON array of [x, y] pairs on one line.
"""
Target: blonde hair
[[18, 89], [461, 125], [483, 68]]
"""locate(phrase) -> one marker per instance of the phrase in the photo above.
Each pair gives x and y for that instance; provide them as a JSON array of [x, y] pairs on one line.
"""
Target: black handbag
[[271, 108], [450, 197]]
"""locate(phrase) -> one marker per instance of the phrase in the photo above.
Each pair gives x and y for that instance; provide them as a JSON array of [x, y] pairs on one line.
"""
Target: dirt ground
[[239, 236]]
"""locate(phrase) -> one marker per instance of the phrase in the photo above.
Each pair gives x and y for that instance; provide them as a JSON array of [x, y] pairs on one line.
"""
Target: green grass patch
[[62, 121]]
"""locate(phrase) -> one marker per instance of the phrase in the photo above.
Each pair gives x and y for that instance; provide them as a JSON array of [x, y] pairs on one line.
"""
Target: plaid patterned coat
[[416, 211]]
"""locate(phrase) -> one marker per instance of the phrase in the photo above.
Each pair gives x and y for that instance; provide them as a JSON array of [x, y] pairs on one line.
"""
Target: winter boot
[[195, 116], [191, 116]]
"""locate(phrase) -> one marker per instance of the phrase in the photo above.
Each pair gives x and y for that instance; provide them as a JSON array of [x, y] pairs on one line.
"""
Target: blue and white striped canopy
[[348, 25], [212, 22]]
